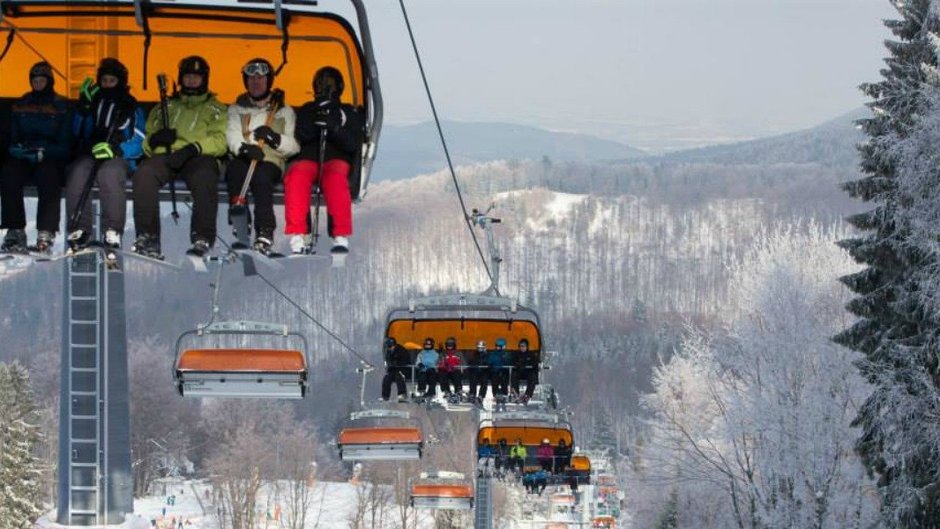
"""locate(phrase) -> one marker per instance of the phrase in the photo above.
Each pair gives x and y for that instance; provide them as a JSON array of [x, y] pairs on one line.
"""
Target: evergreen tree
[[20, 499], [897, 337], [669, 519]]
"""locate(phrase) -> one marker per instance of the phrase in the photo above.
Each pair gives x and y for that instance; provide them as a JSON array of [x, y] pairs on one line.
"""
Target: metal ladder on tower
[[85, 390], [483, 502]]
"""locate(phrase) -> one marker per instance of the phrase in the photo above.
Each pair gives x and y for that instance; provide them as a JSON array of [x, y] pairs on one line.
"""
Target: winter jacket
[[518, 452], [563, 455], [244, 117], [344, 143], [495, 359], [40, 120], [526, 360], [448, 363], [397, 357], [199, 119], [544, 451], [121, 113], [486, 451], [428, 358]]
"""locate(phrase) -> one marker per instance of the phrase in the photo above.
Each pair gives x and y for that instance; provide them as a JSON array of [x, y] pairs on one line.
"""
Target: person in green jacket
[[517, 456], [188, 150]]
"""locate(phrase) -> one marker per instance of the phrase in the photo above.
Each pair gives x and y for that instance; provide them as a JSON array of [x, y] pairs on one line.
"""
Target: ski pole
[[165, 111], [76, 217], [321, 156], [241, 201]]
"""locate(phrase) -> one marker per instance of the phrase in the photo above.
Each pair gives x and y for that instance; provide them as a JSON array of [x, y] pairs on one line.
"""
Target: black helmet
[[258, 66], [524, 341], [43, 69], [428, 342], [390, 342], [450, 342], [328, 83], [198, 65], [112, 66]]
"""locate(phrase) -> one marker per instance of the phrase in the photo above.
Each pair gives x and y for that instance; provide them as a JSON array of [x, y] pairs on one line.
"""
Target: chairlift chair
[[398, 441], [604, 522], [580, 469], [217, 367], [442, 490]]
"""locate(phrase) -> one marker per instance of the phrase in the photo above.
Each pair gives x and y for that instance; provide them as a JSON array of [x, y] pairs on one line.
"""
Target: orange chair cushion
[[442, 491], [242, 360], [379, 435]]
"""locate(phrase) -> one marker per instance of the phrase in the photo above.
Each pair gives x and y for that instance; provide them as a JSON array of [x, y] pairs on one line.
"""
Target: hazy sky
[[657, 74]]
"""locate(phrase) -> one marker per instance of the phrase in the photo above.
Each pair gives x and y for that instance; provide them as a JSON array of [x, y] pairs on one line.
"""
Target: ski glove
[[86, 95], [106, 151], [249, 151], [329, 115], [163, 138], [26, 153], [267, 134], [177, 159]]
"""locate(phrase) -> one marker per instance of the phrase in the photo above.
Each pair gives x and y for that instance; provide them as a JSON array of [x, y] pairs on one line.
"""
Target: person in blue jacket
[[109, 126], [40, 145], [496, 362], [427, 368]]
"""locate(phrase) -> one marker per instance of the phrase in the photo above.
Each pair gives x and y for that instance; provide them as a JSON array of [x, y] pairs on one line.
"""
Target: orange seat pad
[[242, 360], [442, 491], [379, 435]]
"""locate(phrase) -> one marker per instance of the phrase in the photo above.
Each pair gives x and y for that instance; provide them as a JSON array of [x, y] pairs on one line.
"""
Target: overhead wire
[[440, 133]]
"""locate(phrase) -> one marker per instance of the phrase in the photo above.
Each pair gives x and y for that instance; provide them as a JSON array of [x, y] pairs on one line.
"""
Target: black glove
[[177, 159], [267, 134], [329, 115], [251, 152], [163, 138]]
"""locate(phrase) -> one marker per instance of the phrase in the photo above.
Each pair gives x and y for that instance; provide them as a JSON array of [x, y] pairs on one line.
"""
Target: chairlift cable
[[440, 133]]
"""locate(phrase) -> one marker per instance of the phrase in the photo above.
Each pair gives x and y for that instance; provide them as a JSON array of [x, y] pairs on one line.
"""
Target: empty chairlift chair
[[580, 469], [241, 359], [442, 490], [393, 438]]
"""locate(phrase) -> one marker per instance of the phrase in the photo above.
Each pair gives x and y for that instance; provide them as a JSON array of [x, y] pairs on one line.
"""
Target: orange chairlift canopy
[[530, 427], [75, 35]]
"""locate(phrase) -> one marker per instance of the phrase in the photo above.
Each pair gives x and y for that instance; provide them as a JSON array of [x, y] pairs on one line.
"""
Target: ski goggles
[[256, 68], [40, 70]]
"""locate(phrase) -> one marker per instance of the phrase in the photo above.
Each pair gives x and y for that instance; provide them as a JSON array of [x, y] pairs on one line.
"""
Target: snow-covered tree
[[898, 327], [760, 412], [20, 495]]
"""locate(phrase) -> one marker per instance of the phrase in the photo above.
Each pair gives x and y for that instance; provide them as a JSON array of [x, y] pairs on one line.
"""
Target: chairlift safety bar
[[379, 414]]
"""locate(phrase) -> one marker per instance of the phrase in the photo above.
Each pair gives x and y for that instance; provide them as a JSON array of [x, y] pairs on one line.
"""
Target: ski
[[139, 257], [198, 262], [268, 261]]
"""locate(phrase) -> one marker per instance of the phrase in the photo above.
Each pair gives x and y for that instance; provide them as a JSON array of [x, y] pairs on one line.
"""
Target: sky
[[656, 74]]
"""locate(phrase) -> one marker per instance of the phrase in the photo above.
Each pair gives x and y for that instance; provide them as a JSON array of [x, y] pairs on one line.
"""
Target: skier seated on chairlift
[[109, 131], [255, 136], [40, 145], [448, 368], [486, 455], [517, 456], [189, 149], [428, 359], [476, 376], [397, 369], [545, 454], [340, 127], [496, 362], [562, 456], [525, 367], [502, 456]]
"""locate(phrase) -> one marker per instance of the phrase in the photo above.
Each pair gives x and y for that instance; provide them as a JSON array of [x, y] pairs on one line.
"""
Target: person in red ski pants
[[333, 132]]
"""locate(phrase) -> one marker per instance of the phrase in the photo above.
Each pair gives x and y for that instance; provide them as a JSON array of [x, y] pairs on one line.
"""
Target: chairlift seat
[[380, 444], [449, 496], [256, 373]]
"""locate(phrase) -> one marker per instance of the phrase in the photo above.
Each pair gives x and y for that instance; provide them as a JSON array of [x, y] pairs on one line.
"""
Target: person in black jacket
[[397, 368], [342, 127], [526, 367], [40, 144]]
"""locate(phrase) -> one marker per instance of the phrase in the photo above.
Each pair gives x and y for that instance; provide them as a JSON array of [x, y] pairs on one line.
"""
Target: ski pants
[[448, 380], [201, 174], [396, 374], [262, 190], [476, 377], [111, 176], [47, 177], [497, 379], [298, 184], [531, 377], [427, 380]]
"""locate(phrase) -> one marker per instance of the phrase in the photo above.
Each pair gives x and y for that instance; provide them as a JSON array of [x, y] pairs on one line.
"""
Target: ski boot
[[263, 242], [78, 241], [199, 248], [14, 242], [340, 245], [44, 242], [147, 246], [112, 244], [301, 244]]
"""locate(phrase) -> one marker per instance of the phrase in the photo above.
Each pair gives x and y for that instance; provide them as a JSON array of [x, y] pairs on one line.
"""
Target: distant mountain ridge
[[410, 150]]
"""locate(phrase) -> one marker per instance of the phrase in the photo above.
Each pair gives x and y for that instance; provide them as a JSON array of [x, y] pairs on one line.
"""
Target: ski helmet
[[428, 343], [328, 83], [524, 341], [390, 342], [450, 342], [198, 65], [112, 66], [43, 69], [258, 66], [500, 342], [481, 345]]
